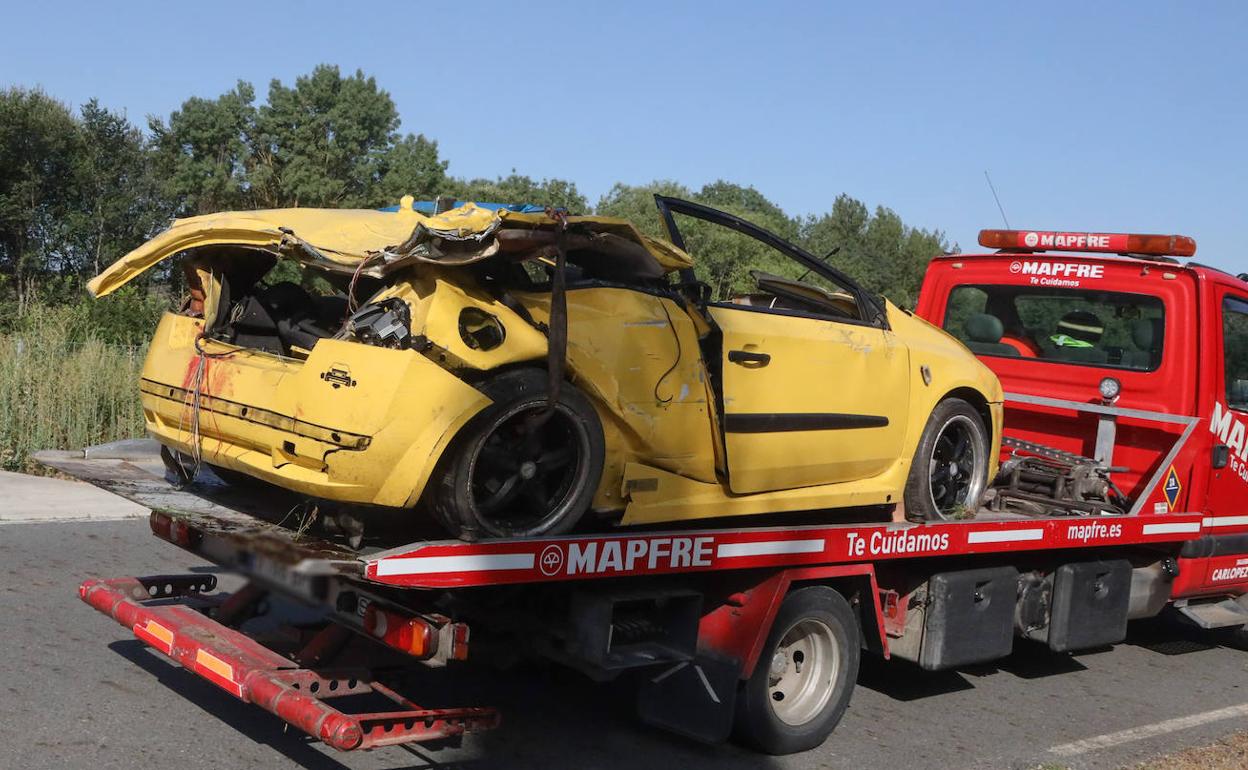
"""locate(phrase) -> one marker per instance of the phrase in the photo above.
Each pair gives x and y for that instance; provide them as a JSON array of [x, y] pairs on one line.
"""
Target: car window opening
[[744, 271], [261, 302]]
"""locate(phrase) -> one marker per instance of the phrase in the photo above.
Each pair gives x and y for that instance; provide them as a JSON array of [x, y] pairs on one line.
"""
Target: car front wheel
[[950, 468]]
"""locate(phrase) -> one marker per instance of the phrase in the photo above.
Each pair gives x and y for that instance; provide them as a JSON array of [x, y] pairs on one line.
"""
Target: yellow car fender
[[942, 369]]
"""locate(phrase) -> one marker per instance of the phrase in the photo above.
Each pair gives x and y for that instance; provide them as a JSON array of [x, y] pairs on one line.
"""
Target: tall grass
[[60, 389]]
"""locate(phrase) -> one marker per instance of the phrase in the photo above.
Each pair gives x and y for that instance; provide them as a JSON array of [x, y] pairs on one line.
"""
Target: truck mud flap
[[696, 698], [161, 612]]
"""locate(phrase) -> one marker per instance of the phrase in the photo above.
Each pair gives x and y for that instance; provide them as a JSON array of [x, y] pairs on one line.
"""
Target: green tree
[[116, 204], [324, 141], [879, 250], [517, 188], [636, 204], [411, 167], [202, 154], [39, 140], [723, 257]]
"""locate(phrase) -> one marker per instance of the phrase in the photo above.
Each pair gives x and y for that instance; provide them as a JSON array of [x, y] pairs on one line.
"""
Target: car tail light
[[405, 634], [1112, 243]]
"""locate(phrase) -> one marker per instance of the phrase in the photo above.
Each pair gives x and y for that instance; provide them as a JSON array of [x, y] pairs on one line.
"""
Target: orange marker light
[[410, 635], [1107, 243]]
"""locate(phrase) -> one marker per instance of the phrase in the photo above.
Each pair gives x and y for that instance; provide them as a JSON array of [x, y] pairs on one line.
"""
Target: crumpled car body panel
[[340, 239]]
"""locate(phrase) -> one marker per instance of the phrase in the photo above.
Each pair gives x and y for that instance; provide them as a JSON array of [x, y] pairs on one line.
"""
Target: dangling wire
[[679, 352], [353, 304], [193, 402]]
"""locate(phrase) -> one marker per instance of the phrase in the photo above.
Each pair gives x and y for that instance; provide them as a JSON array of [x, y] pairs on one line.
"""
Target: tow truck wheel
[[950, 468], [805, 674], [520, 469]]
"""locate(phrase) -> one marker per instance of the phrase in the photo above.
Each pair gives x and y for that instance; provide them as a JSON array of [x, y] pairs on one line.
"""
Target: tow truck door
[[1227, 503]]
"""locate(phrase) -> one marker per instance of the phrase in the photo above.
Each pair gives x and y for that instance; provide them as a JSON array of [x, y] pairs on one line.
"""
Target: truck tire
[[1239, 638], [516, 470], [950, 468], [805, 674]]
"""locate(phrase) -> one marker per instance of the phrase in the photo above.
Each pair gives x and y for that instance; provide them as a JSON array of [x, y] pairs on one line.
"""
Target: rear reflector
[[405, 634]]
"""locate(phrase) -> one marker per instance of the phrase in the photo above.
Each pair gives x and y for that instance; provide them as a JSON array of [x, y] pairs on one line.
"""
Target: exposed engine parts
[[1042, 481], [386, 324]]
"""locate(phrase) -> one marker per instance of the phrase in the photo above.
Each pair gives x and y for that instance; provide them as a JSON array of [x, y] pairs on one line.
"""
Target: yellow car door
[[813, 386], [808, 401]]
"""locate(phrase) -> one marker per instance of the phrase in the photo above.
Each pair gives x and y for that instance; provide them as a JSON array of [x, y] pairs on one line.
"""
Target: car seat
[[983, 333], [1146, 335]]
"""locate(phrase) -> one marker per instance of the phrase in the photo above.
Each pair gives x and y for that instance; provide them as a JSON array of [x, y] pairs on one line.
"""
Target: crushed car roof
[[376, 243]]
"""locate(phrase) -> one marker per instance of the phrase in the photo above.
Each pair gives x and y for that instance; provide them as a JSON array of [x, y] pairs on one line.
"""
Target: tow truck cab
[[1110, 348]]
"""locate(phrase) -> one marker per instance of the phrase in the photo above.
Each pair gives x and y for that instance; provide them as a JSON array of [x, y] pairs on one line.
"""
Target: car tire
[[518, 469], [804, 676], [950, 469]]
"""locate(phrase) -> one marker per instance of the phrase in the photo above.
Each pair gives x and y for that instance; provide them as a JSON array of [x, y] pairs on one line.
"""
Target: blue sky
[[1096, 116]]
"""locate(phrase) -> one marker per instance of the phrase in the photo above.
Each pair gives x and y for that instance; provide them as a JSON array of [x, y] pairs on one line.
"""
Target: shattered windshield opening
[[1071, 326]]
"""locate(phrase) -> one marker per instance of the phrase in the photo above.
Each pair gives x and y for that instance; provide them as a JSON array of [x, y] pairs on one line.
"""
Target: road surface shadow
[[904, 681], [1167, 636], [552, 717], [243, 718]]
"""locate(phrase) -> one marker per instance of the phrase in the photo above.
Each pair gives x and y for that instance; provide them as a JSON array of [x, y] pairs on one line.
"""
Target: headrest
[[983, 327], [1082, 325], [1146, 333]]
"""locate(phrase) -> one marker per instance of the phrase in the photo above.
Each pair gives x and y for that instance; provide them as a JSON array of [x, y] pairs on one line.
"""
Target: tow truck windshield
[[1069, 326]]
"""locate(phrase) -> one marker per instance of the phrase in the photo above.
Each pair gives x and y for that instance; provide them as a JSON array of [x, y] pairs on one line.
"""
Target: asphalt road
[[77, 690]]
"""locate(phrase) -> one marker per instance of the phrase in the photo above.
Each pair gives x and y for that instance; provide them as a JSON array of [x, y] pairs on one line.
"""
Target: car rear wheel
[[520, 468], [805, 675], [950, 468]]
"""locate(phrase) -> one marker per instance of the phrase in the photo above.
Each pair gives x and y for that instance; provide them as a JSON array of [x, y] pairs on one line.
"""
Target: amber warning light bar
[[1111, 243]]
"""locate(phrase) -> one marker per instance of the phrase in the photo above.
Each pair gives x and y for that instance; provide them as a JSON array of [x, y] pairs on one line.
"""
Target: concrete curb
[[38, 498]]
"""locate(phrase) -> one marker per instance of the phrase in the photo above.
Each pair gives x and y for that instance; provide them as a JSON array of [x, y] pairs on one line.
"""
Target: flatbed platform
[[265, 528]]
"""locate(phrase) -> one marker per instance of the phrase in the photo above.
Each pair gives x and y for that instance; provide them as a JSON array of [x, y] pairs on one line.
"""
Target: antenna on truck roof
[[997, 199]]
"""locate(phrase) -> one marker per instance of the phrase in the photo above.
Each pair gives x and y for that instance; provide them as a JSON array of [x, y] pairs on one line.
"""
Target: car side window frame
[[871, 308], [1231, 303]]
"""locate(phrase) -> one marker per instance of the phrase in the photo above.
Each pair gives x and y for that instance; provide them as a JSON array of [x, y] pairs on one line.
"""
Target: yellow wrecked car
[[505, 370]]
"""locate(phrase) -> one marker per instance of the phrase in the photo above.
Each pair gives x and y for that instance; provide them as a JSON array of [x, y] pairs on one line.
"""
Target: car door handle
[[749, 357]]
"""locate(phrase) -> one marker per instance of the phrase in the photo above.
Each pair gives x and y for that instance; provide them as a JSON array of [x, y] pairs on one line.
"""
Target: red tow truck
[[1123, 494]]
